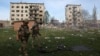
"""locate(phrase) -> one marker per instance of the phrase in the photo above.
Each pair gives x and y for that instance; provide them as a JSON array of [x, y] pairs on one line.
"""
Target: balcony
[[34, 9], [37, 16]]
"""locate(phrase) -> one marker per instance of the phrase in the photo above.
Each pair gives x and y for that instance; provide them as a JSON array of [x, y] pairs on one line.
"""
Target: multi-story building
[[22, 11], [73, 15]]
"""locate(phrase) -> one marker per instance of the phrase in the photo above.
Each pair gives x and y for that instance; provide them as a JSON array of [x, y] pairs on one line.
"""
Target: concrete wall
[[17, 24], [5, 23]]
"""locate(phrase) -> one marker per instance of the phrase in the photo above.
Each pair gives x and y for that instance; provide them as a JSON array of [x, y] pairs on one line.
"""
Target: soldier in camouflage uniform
[[35, 33], [23, 35]]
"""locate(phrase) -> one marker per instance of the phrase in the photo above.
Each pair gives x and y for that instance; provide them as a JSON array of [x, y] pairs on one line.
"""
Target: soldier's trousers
[[23, 47], [37, 38]]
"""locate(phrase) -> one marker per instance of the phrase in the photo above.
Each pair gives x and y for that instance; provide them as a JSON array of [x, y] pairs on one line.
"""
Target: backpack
[[24, 30]]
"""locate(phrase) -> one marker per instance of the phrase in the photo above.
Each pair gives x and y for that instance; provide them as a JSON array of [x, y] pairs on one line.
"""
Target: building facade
[[73, 15], [22, 11]]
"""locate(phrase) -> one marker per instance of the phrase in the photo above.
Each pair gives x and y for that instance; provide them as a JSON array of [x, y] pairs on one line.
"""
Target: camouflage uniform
[[35, 33], [23, 34]]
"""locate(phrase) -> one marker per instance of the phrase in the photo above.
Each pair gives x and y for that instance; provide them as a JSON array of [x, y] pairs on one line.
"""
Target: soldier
[[23, 35], [35, 33]]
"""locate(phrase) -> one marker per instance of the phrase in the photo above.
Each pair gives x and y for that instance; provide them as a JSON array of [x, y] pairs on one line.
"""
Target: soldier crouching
[[23, 36]]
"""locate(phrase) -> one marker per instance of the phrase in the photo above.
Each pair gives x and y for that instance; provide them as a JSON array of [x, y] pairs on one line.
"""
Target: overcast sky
[[55, 8]]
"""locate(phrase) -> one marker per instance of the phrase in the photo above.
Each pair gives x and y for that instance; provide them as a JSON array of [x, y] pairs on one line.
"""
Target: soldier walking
[[23, 35], [35, 34]]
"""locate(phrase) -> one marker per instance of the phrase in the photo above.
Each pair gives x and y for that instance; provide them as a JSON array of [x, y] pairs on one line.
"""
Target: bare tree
[[86, 15]]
